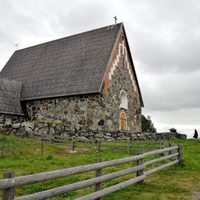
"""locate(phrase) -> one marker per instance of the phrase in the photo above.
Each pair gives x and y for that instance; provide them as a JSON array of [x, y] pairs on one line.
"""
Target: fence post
[[50, 134], [128, 146], [98, 186], [2, 146], [73, 144], [170, 145], [42, 144], [8, 194], [140, 162], [180, 156], [161, 145], [98, 146]]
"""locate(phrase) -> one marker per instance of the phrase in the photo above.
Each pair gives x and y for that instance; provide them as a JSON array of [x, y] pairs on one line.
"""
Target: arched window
[[123, 100], [123, 121]]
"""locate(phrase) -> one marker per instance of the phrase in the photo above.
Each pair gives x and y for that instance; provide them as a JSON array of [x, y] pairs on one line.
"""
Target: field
[[23, 156]]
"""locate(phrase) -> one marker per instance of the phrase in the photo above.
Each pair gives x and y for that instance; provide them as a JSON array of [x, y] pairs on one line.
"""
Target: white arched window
[[123, 100]]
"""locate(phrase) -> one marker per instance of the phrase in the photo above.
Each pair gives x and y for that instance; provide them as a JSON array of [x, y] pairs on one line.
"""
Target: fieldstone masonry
[[53, 130], [7, 119]]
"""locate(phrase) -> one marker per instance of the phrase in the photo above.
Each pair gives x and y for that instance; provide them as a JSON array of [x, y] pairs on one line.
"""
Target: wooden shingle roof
[[10, 97], [69, 66]]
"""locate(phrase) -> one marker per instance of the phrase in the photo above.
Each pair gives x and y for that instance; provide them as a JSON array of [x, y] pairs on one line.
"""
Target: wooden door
[[123, 121]]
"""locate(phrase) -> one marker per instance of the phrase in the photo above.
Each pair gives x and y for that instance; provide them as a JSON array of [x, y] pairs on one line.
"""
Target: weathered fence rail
[[74, 145], [125, 146], [9, 183]]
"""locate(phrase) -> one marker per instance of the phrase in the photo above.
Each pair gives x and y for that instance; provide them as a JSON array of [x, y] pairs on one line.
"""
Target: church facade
[[87, 81]]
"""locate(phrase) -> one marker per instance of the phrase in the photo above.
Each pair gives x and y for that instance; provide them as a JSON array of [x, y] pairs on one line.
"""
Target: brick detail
[[120, 56]]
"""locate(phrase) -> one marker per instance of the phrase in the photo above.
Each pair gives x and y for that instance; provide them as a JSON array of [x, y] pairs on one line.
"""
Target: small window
[[123, 100], [123, 121]]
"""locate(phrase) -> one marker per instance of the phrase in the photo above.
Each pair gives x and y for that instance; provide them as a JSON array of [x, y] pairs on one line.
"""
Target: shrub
[[173, 130]]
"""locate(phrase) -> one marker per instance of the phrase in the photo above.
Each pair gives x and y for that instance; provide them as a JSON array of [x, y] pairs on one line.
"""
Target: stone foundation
[[8, 120], [57, 131]]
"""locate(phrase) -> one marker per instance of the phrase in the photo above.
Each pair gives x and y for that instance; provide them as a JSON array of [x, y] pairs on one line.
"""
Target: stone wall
[[57, 130], [76, 113], [120, 76], [7, 119]]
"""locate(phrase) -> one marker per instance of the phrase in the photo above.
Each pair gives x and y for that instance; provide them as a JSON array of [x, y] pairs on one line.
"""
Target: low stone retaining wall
[[56, 130]]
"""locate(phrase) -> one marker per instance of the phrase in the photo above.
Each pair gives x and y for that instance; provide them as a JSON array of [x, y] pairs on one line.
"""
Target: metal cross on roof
[[115, 17], [16, 46]]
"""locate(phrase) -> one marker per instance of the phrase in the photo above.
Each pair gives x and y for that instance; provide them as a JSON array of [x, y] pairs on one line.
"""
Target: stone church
[[87, 81]]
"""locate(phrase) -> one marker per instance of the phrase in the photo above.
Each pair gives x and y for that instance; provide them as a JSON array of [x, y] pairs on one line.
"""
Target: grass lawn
[[22, 156]]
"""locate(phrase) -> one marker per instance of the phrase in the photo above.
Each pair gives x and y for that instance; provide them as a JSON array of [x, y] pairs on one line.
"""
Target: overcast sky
[[164, 37]]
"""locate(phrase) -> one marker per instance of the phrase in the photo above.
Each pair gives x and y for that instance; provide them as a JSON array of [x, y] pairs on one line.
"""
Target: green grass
[[23, 156]]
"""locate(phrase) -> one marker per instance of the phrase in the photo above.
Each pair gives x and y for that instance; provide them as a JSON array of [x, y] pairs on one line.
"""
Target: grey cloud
[[88, 16], [166, 36], [171, 92]]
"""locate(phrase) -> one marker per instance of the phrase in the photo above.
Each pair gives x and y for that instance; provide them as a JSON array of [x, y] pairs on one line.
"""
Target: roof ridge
[[84, 32], [111, 55]]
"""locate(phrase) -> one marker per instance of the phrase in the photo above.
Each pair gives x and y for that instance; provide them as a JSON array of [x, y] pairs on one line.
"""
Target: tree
[[147, 125], [173, 130], [195, 134]]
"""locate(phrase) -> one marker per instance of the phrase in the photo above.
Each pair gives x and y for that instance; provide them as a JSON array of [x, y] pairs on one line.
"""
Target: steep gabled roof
[[10, 97], [68, 66]]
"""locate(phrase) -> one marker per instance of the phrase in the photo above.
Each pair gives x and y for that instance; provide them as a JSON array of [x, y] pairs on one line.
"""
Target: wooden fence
[[125, 146], [74, 145], [119, 146], [9, 183]]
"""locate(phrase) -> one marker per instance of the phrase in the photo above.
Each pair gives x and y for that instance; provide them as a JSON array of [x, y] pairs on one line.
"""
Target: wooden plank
[[154, 143], [142, 147], [151, 162], [157, 169], [8, 194], [79, 185], [151, 153], [35, 178], [140, 162], [54, 140], [98, 186], [112, 189]]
